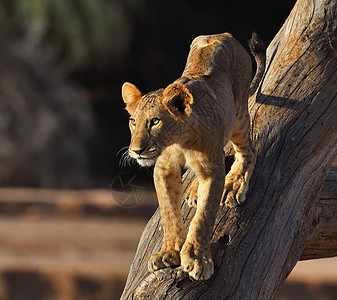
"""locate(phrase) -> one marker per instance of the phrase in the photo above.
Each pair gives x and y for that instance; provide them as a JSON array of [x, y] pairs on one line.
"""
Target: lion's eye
[[133, 122], [155, 121]]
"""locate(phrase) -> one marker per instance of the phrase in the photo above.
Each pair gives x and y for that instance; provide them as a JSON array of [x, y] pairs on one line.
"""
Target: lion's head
[[156, 119]]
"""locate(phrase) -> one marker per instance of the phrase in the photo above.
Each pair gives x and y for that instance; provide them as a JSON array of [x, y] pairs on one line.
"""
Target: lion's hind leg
[[237, 180], [192, 193]]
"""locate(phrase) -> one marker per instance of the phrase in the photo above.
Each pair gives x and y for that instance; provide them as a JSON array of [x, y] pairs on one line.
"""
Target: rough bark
[[294, 130], [323, 241]]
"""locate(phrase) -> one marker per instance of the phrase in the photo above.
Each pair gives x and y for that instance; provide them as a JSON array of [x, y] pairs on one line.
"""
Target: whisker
[[123, 159], [126, 160], [122, 149], [131, 161]]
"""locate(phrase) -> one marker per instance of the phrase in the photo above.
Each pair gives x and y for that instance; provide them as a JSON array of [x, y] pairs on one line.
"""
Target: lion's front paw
[[164, 259], [235, 190], [192, 193], [198, 264]]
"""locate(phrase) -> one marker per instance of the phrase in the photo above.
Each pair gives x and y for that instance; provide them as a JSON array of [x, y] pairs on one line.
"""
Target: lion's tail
[[258, 49]]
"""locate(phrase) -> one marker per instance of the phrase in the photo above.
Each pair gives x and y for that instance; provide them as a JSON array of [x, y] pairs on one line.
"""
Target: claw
[[164, 259], [198, 264], [235, 190]]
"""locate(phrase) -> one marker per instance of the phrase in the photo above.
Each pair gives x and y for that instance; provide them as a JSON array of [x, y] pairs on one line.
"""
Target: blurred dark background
[[62, 64]]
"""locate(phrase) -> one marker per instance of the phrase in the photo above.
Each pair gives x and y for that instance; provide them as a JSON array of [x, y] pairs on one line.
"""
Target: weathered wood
[[294, 129], [323, 241]]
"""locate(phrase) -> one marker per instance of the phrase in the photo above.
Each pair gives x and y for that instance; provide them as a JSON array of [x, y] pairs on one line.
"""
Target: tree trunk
[[323, 241], [294, 130]]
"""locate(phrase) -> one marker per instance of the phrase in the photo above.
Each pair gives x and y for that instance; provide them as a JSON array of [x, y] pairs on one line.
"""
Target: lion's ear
[[131, 96], [178, 100]]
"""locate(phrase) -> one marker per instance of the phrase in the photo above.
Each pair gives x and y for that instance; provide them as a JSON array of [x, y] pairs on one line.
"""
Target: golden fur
[[188, 124]]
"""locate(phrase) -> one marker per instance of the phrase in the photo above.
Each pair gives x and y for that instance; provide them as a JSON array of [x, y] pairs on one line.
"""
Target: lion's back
[[211, 53]]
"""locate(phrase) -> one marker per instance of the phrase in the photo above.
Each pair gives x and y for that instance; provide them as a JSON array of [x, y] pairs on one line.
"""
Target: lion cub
[[188, 124]]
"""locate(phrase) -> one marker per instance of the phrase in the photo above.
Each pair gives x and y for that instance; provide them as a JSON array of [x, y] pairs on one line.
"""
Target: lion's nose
[[138, 151]]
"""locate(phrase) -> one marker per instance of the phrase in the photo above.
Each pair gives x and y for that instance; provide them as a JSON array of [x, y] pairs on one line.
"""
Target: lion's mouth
[[146, 159], [146, 162]]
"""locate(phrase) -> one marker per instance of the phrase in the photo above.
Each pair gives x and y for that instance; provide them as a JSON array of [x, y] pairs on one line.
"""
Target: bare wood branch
[[294, 129], [323, 241]]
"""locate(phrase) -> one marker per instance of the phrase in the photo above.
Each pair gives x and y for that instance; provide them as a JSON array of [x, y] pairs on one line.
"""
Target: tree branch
[[323, 241]]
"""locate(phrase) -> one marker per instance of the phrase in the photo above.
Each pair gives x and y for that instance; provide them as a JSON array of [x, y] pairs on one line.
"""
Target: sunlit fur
[[199, 113]]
